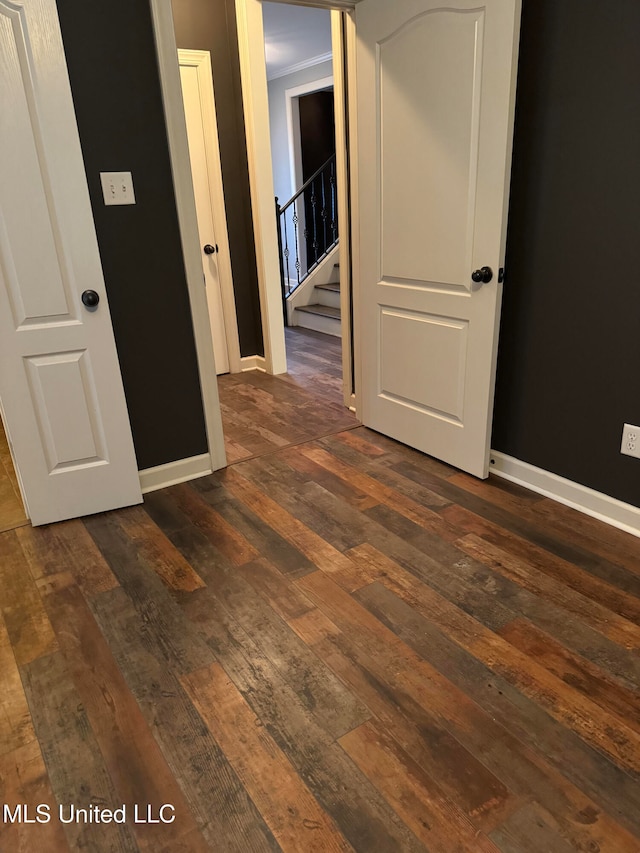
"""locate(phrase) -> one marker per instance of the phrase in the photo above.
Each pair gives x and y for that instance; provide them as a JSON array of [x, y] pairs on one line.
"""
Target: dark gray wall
[[116, 92], [570, 339], [211, 25]]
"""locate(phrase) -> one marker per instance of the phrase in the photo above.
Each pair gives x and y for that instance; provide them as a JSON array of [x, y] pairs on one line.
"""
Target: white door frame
[[255, 99], [201, 59], [169, 70], [294, 141], [256, 110], [292, 107], [344, 71]]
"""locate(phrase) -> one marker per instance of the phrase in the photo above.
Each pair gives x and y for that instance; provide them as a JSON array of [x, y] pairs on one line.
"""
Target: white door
[[60, 382], [199, 109], [436, 89]]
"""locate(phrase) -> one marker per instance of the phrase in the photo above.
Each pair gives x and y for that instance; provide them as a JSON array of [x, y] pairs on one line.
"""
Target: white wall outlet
[[630, 441], [117, 187]]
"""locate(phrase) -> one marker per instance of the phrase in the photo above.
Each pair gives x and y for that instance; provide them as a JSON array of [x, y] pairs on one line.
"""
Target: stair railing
[[307, 228]]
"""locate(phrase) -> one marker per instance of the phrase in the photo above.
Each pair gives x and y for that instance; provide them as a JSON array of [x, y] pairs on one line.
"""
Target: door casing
[[292, 100], [250, 35], [169, 70]]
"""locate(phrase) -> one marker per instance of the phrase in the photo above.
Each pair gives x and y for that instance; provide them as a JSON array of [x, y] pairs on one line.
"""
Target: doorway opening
[[261, 412], [12, 510]]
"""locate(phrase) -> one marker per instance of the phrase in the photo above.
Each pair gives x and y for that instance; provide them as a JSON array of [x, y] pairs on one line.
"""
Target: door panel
[[192, 83], [430, 66], [62, 397], [422, 362], [33, 297], [60, 382], [436, 85]]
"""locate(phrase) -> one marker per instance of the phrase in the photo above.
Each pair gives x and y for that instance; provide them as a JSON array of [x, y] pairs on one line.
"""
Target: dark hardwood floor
[[261, 413], [339, 645]]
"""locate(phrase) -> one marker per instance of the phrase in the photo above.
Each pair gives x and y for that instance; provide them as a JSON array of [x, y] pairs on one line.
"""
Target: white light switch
[[117, 187]]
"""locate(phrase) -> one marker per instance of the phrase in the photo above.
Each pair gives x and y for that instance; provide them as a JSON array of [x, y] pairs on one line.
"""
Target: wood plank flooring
[[261, 413], [341, 645], [12, 512]]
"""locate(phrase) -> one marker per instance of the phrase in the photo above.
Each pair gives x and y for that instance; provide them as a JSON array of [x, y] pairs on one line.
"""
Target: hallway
[[261, 413]]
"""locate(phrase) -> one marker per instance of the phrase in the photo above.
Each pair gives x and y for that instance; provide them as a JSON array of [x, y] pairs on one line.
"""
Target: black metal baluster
[[295, 232], [317, 244], [286, 254], [281, 261], [323, 214], [314, 202], [334, 222]]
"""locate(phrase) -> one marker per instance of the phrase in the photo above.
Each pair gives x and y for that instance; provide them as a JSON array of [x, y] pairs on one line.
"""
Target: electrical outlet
[[630, 441]]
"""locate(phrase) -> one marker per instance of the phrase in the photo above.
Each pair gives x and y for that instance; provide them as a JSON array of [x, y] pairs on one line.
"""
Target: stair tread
[[333, 286], [323, 310]]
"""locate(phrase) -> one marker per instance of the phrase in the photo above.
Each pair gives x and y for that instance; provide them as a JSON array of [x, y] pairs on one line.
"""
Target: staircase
[[307, 245], [323, 314]]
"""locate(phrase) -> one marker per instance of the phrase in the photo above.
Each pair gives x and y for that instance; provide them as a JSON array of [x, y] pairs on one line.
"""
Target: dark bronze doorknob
[[210, 250], [90, 298], [482, 276]]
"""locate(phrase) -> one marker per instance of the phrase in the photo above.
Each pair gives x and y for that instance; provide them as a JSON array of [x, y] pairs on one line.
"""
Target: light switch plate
[[117, 188]]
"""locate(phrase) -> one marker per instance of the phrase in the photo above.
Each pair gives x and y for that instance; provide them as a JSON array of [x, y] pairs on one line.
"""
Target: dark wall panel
[[570, 338], [116, 91], [211, 25]]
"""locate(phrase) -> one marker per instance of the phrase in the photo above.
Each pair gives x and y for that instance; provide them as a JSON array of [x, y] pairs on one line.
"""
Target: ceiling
[[294, 36]]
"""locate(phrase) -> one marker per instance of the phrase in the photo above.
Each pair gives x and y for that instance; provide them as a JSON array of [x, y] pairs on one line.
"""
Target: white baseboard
[[152, 479], [596, 504], [253, 362]]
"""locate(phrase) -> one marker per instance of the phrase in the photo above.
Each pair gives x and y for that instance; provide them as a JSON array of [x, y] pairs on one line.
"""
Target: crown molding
[[300, 66]]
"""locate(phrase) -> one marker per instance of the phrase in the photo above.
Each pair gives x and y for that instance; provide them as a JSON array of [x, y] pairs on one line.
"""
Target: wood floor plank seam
[[300, 443], [570, 806], [559, 699]]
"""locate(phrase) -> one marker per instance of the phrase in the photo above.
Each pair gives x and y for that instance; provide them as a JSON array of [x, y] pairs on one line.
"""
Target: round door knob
[[210, 250], [482, 276], [90, 298]]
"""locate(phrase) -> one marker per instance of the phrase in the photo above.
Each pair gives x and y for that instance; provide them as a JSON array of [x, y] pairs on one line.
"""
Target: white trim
[[292, 111], [201, 60], [294, 141], [341, 107], [152, 479], [300, 66], [596, 504], [255, 101], [347, 5], [181, 168], [253, 362]]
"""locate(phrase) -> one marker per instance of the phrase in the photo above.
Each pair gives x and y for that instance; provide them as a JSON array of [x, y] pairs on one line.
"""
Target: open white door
[[436, 91], [60, 382], [196, 78]]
